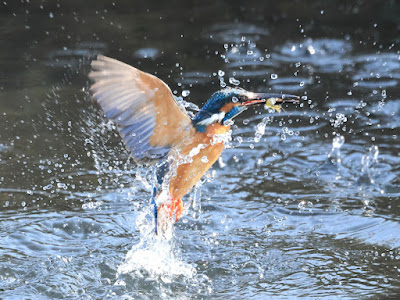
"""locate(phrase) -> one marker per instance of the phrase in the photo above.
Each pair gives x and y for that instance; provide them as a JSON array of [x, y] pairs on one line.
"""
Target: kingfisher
[[157, 130]]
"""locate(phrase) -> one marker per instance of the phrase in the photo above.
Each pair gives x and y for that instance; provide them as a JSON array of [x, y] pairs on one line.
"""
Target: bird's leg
[[172, 208], [155, 209], [168, 213]]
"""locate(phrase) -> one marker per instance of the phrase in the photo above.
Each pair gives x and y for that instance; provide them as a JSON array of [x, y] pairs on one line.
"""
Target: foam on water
[[154, 255]]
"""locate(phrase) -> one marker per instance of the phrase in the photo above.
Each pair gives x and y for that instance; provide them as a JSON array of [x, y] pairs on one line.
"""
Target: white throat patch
[[213, 119]]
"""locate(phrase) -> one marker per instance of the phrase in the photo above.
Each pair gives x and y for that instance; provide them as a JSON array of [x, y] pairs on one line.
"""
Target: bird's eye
[[235, 99]]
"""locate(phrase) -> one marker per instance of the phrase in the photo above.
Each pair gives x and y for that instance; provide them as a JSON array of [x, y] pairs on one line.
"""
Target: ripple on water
[[290, 83], [246, 60], [195, 77], [4, 148], [73, 57], [296, 121], [242, 56], [344, 106], [40, 235], [326, 55], [236, 33], [387, 115], [149, 53], [344, 225], [250, 67], [377, 71]]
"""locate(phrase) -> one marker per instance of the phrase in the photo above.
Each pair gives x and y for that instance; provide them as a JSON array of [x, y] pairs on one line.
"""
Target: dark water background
[[304, 203]]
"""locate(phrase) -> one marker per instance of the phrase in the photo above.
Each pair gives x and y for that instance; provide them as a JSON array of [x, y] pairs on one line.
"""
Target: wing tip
[[97, 60], [101, 57], [105, 61], [103, 66]]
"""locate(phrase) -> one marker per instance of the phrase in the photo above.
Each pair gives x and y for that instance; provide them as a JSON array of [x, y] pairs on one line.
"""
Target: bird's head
[[226, 104]]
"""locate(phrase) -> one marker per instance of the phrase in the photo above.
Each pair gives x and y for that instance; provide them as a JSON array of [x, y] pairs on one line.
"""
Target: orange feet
[[169, 212], [172, 208]]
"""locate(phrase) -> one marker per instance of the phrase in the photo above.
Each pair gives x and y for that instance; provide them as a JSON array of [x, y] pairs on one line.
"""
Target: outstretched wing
[[148, 117]]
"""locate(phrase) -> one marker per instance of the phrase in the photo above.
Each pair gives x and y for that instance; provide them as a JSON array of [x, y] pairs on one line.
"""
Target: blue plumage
[[216, 102], [233, 113]]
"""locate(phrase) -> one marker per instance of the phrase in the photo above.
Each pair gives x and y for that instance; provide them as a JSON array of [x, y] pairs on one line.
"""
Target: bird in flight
[[156, 129]]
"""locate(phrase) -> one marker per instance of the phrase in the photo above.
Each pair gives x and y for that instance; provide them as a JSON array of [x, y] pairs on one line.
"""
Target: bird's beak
[[259, 98]]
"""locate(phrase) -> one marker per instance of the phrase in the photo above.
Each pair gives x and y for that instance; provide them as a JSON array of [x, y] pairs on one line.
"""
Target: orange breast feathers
[[202, 152]]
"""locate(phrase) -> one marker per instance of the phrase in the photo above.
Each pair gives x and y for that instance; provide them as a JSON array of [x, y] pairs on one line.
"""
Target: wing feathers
[[148, 118]]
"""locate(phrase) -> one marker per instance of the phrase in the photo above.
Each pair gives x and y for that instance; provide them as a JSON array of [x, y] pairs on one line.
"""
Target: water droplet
[[338, 142], [185, 93], [221, 162], [221, 73], [234, 81], [374, 151], [301, 205], [311, 50], [51, 15], [334, 155], [204, 159], [260, 130], [246, 121], [274, 76]]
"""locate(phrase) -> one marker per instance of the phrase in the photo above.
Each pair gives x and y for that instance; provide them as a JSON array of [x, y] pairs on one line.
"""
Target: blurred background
[[302, 203]]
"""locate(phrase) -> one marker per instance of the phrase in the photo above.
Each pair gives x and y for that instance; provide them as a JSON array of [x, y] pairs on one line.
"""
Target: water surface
[[303, 203]]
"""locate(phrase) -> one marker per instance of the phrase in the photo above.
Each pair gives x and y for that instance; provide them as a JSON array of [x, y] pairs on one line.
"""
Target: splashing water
[[334, 155], [158, 258], [367, 162], [332, 166], [369, 159], [260, 129], [186, 104]]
